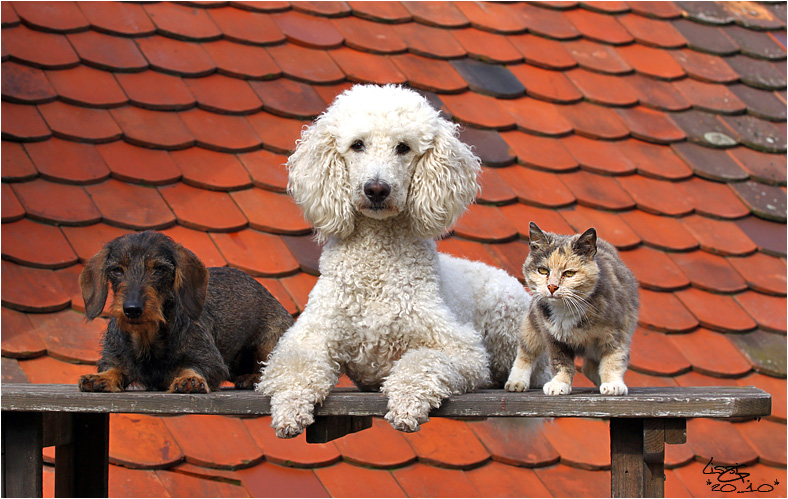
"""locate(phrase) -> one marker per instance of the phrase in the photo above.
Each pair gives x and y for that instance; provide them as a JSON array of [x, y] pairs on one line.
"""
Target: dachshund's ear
[[191, 282], [318, 182], [93, 282], [444, 182]]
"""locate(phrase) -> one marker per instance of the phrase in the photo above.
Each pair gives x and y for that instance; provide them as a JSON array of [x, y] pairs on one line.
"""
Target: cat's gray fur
[[585, 302]]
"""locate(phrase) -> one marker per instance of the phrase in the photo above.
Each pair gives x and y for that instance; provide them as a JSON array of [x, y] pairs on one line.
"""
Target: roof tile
[[731, 450], [390, 12], [502, 438], [546, 84], [510, 256], [231, 447], [597, 57], [280, 133], [366, 68], [33, 290], [80, 123], [538, 117], [182, 21], [653, 269], [664, 312], [88, 240], [596, 122], [52, 16], [448, 443], [258, 205], [131, 206], [610, 226], [582, 443], [599, 27], [763, 273], [138, 164], [299, 286], [184, 485], [597, 191], [108, 52], [9, 17], [546, 22], [499, 480], [489, 79], [25, 84], [289, 98], [567, 481], [756, 44], [294, 452], [494, 189], [536, 187], [379, 447], [267, 169], [118, 18], [279, 292], [709, 272], [246, 27], [768, 311], [756, 133], [222, 94], [43, 200], [480, 110], [220, 132], [87, 87], [155, 129], [543, 52], [652, 126], [652, 32], [23, 123], [760, 103], [366, 482], [154, 90], [710, 97], [141, 441], [429, 74], [705, 129], [198, 242], [709, 163], [765, 201], [304, 64], [492, 17], [203, 210], [211, 170], [654, 353], [651, 160], [309, 31], [767, 438], [486, 224], [657, 94], [768, 236], [242, 61], [598, 156], [281, 481], [758, 474], [307, 251], [46, 369], [711, 14], [757, 17], [176, 57], [370, 36], [651, 61], [467, 249], [429, 41], [56, 253], [757, 73], [542, 153], [656, 196], [705, 67], [487, 47], [776, 387], [443, 14], [12, 209], [718, 236], [727, 360], [12, 373], [520, 215], [606, 7], [602, 89], [491, 148], [765, 351], [326, 9], [68, 162], [68, 338], [660, 232], [420, 480], [256, 253], [714, 311], [20, 338], [706, 38]]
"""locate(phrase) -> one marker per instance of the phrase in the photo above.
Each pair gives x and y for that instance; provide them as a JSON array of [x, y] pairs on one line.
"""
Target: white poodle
[[379, 175]]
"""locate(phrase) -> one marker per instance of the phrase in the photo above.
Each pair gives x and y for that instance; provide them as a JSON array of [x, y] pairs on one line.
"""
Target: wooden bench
[[641, 423]]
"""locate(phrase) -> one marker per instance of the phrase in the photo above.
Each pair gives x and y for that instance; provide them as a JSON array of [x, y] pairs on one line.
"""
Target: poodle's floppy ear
[[93, 282], [444, 182], [318, 182]]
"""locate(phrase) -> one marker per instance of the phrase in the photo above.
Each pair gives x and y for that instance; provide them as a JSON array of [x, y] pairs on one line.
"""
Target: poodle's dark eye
[[357, 146], [403, 148]]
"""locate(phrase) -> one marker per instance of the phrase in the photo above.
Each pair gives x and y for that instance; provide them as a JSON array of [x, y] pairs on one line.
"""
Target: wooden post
[[23, 439], [626, 457], [82, 465], [653, 458]]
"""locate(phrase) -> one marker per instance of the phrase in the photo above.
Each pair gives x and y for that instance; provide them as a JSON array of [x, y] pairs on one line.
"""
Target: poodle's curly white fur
[[380, 174]]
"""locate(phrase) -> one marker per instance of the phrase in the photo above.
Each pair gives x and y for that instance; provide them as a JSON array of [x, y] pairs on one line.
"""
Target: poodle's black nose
[[377, 191]]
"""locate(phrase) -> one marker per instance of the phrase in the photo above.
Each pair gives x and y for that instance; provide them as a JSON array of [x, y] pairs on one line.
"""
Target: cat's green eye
[[543, 271], [569, 273]]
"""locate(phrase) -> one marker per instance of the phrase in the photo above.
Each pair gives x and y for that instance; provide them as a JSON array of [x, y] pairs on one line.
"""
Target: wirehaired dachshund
[[173, 324]]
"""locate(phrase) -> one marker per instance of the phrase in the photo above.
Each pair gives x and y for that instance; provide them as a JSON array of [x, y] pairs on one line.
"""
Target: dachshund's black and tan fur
[[175, 325]]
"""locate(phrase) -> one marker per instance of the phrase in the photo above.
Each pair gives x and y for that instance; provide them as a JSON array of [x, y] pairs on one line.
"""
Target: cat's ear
[[537, 238], [586, 244]]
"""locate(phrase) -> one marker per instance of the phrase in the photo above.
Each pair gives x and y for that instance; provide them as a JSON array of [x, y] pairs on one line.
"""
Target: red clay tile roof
[[662, 124]]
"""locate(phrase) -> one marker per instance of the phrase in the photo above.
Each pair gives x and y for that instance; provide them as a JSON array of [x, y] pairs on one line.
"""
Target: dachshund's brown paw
[[107, 381], [247, 381], [189, 382]]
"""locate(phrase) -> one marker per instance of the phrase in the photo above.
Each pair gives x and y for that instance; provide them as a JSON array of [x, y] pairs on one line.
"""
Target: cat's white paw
[[518, 380], [553, 387], [613, 388]]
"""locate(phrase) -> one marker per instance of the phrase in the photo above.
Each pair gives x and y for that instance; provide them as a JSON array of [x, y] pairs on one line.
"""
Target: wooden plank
[[328, 428], [22, 459], [648, 402], [627, 476], [675, 431], [58, 428], [654, 457], [82, 466]]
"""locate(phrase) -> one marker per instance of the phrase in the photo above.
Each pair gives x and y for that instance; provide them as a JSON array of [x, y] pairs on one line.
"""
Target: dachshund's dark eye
[[116, 272], [357, 146], [403, 148]]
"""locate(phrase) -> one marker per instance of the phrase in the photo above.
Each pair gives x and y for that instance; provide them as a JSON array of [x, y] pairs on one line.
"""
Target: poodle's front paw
[[406, 422], [554, 387], [290, 415], [613, 388]]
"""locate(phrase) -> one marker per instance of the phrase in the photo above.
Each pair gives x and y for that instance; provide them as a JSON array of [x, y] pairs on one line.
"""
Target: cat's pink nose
[[553, 288]]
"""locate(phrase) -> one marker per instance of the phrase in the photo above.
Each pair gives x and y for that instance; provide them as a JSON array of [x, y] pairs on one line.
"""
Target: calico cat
[[585, 302]]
